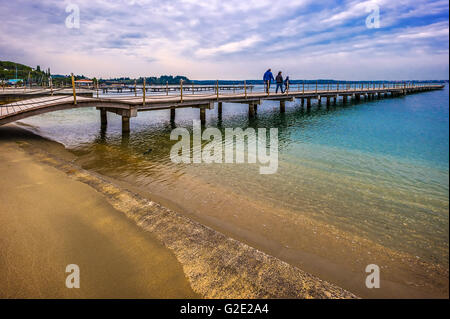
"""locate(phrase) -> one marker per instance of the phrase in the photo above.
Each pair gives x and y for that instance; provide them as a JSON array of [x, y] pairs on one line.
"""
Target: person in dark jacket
[[286, 84], [267, 78], [279, 80]]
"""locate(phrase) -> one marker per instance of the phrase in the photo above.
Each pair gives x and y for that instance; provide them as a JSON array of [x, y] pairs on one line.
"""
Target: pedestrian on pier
[[267, 78], [279, 80], [286, 84]]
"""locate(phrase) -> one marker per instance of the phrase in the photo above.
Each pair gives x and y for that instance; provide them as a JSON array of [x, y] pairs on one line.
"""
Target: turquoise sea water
[[378, 169]]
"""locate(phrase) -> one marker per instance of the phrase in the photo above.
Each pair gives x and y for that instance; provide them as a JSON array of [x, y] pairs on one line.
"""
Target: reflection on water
[[377, 169]]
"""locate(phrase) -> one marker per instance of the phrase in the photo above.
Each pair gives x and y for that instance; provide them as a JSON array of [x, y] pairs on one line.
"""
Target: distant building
[[83, 82]]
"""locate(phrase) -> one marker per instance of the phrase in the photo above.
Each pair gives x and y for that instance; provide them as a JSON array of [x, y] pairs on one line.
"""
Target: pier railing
[[230, 88], [211, 90]]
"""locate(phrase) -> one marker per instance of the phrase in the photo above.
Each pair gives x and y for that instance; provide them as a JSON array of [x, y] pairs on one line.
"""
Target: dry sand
[[48, 220]]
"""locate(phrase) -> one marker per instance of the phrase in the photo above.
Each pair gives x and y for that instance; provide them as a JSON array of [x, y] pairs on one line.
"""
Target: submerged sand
[[54, 213]]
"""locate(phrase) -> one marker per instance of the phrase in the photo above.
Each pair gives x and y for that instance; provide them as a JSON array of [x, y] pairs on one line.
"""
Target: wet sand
[[126, 245]]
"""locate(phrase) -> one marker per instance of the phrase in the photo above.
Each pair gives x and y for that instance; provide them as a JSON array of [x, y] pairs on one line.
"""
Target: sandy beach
[[54, 214], [48, 221]]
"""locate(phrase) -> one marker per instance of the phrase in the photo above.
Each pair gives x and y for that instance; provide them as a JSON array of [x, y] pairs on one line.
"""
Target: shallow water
[[375, 169]]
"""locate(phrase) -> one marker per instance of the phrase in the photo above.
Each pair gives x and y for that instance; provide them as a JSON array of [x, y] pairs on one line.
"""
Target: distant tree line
[[66, 79], [11, 70], [38, 76], [149, 80]]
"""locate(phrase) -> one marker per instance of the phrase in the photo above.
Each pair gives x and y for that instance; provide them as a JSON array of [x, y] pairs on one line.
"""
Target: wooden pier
[[129, 106]]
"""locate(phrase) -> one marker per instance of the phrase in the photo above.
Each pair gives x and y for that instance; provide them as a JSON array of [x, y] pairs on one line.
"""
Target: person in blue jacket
[[268, 78]]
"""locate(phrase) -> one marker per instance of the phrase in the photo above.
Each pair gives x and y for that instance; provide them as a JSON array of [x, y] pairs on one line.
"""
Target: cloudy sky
[[230, 39]]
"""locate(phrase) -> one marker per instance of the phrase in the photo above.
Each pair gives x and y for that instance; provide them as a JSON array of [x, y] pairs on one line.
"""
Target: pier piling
[[282, 106], [125, 124], [202, 115], [103, 118], [251, 110]]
